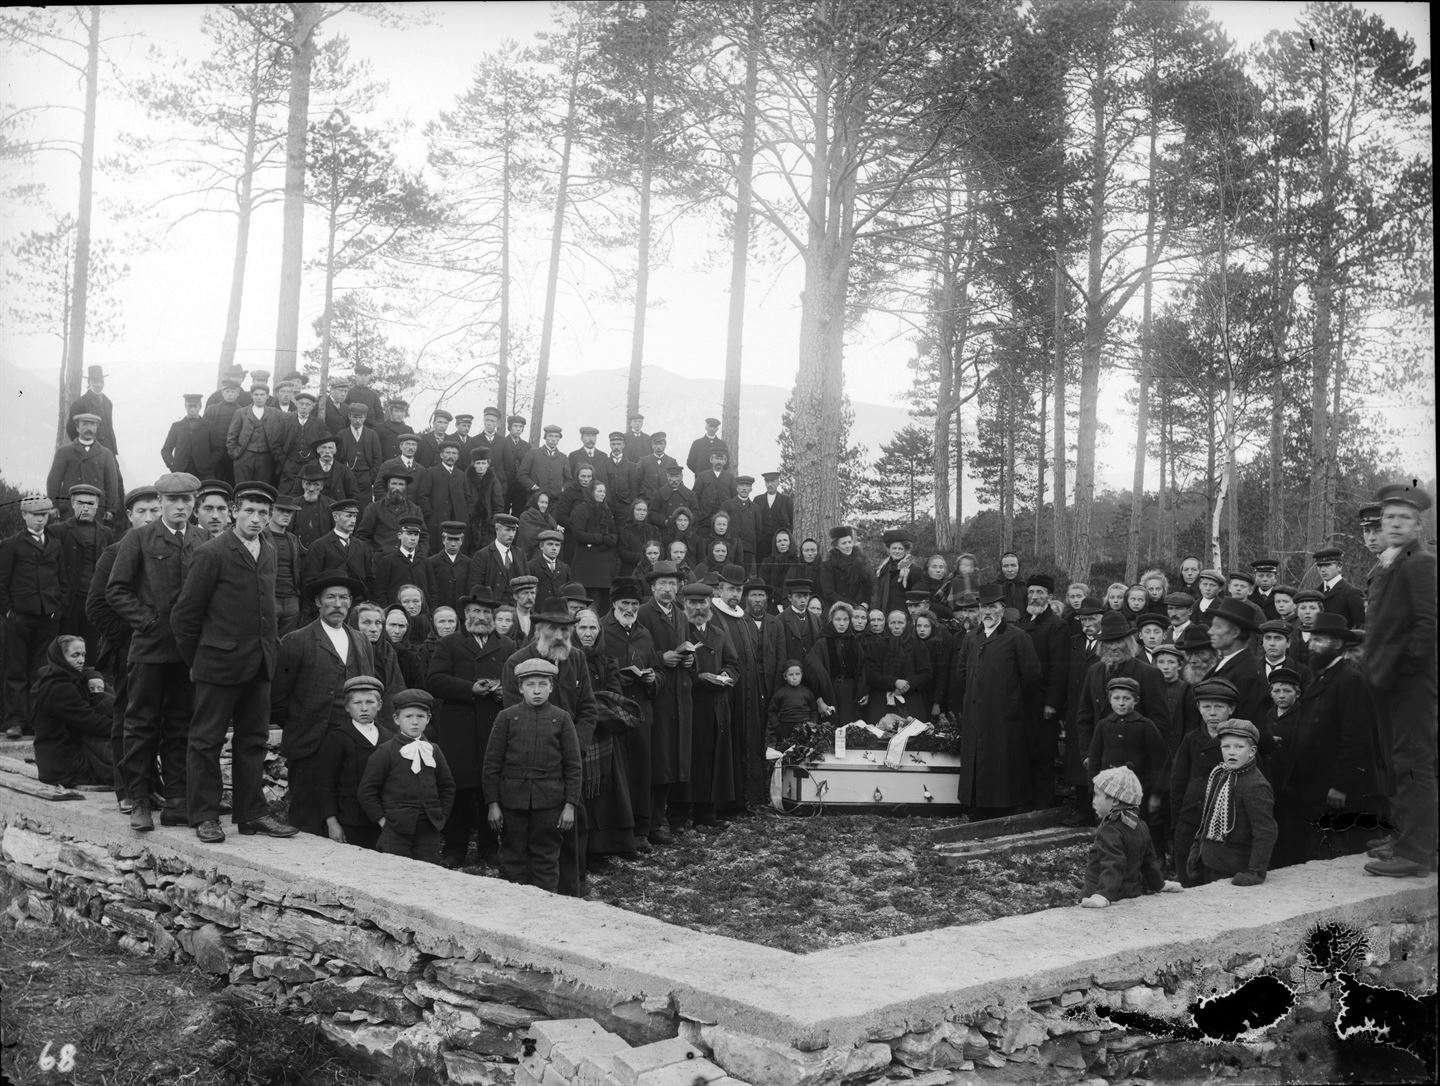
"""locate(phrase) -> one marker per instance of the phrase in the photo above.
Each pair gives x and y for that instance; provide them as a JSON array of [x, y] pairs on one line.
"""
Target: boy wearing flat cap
[[407, 788], [1125, 738], [532, 774], [1122, 861], [1237, 824], [344, 754]]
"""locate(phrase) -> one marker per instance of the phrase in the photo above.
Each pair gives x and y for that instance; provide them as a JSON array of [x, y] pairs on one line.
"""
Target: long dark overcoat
[[464, 719], [990, 685]]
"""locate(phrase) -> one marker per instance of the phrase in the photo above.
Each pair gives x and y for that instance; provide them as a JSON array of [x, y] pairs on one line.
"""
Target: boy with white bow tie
[[408, 788]]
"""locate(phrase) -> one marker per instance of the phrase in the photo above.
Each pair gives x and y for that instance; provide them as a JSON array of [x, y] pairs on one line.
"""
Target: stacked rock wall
[[409, 996]]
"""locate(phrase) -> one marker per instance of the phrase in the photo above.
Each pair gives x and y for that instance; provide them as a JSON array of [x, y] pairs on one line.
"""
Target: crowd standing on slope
[[556, 658]]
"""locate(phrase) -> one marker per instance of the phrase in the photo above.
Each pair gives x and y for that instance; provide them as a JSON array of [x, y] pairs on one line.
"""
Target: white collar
[[1328, 585]]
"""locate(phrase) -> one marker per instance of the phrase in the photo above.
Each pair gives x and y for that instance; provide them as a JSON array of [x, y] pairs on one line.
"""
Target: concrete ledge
[[834, 997]]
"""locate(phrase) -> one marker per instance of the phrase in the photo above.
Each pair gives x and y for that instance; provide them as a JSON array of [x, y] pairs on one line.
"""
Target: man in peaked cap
[[703, 447], [663, 618], [589, 455], [82, 538], [621, 476], [506, 456], [1046, 706], [187, 446], [1267, 573], [493, 565], [546, 469], [654, 470], [432, 439], [489, 433], [1369, 517], [403, 563], [341, 551], [638, 443], [257, 438], [358, 448], [715, 485], [150, 567], [449, 567], [1400, 665], [361, 392], [440, 489], [306, 424], [1341, 597], [773, 511], [224, 623]]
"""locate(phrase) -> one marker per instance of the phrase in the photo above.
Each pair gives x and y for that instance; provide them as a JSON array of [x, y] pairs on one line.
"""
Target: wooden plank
[[14, 782], [1001, 827], [1009, 846], [18, 766]]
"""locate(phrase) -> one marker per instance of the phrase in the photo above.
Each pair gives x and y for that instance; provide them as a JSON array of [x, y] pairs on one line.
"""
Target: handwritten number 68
[[65, 1063]]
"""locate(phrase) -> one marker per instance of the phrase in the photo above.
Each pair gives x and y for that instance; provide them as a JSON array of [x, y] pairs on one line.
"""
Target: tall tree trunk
[[307, 18], [328, 316], [1142, 405], [1042, 435], [244, 210], [70, 382], [740, 243], [1162, 520], [1058, 527], [1279, 311], [945, 529], [502, 361], [557, 229], [1323, 342], [642, 257]]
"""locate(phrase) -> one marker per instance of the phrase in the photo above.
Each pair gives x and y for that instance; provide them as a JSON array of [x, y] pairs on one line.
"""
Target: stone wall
[[580, 994]]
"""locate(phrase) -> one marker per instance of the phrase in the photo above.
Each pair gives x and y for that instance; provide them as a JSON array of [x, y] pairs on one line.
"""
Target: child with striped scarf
[[1237, 828]]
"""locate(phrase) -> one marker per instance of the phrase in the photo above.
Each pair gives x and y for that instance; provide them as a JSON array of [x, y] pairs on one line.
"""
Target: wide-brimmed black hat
[[554, 611], [1236, 611], [1330, 625], [1114, 627], [336, 580]]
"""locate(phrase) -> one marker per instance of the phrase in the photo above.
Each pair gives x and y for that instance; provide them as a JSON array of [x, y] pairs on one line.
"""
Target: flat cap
[[658, 435], [744, 480], [85, 488], [525, 580], [617, 435], [551, 428], [505, 520], [358, 408], [438, 413], [1242, 728], [87, 416], [1243, 575], [1150, 618], [412, 437], [1120, 784], [1169, 650], [514, 419], [798, 584], [192, 397], [1216, 690], [696, 591], [589, 430], [1309, 595], [712, 422], [177, 482], [1275, 625], [140, 494], [1123, 682], [305, 394], [768, 475], [364, 684], [1286, 675], [1179, 599], [37, 503], [1284, 590], [491, 411], [413, 697], [550, 535], [1211, 575], [534, 666]]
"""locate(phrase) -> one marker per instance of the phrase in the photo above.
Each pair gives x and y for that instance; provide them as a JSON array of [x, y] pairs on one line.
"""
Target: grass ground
[[803, 884], [139, 1021]]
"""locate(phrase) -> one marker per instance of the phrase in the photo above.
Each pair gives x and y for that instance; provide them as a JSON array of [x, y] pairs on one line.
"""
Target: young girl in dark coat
[[71, 713], [940, 645], [1122, 861], [407, 787], [344, 754], [835, 666]]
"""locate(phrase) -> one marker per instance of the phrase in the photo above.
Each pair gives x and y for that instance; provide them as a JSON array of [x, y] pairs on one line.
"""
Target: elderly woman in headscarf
[[71, 713]]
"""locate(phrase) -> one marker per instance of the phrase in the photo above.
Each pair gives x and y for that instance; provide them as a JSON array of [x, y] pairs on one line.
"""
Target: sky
[[175, 296]]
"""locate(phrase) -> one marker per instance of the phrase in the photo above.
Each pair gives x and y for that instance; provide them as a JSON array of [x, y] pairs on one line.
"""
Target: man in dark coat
[[1052, 647], [572, 692], [93, 401], [664, 619], [496, 564], [428, 452], [587, 455], [449, 569], [150, 567], [799, 629], [715, 673], [749, 697], [81, 538], [488, 436], [337, 482], [308, 694], [988, 691], [225, 629], [256, 439], [546, 469], [86, 460], [334, 409], [701, 449], [1267, 573], [506, 456], [218, 414], [629, 644], [773, 511], [1341, 597], [1232, 625], [358, 448], [714, 486], [1400, 664], [465, 673], [361, 393], [306, 426], [312, 520], [1326, 787], [339, 551], [187, 446], [744, 521], [1118, 653], [621, 476], [403, 565], [404, 461], [380, 523], [637, 442], [440, 490], [654, 469], [1083, 653], [33, 596]]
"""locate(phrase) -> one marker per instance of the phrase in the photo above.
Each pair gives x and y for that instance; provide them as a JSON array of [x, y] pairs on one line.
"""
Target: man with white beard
[[630, 645], [747, 707], [572, 692]]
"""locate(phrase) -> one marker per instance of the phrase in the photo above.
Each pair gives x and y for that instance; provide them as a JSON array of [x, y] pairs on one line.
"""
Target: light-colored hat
[[1120, 784]]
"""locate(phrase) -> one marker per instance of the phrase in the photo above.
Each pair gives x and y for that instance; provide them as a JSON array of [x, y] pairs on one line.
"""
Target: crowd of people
[[556, 658]]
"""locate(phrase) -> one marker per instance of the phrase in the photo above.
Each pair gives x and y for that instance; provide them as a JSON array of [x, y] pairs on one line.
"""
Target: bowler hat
[[757, 586], [1114, 627], [991, 593], [554, 611], [336, 579], [481, 598], [662, 569], [574, 590], [732, 573], [287, 501], [968, 599], [1090, 606], [1193, 639], [312, 473], [1335, 626], [1235, 611]]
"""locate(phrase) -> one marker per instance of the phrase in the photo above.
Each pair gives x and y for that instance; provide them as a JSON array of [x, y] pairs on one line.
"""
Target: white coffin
[[860, 780]]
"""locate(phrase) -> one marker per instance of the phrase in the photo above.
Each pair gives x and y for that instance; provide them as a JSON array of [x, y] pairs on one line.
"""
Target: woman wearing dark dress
[[897, 664], [70, 711], [595, 564], [835, 667], [397, 633]]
